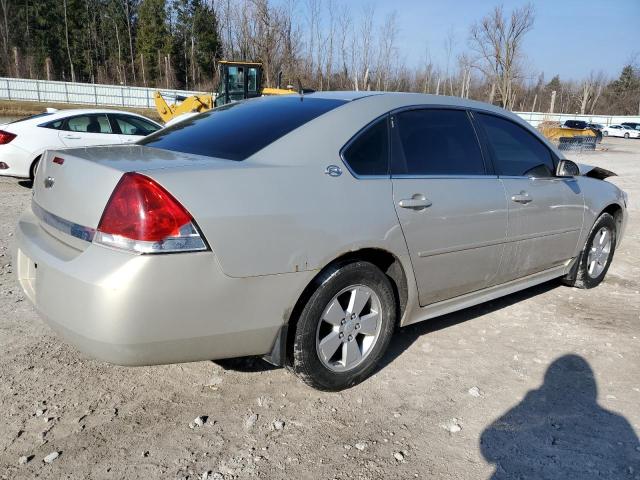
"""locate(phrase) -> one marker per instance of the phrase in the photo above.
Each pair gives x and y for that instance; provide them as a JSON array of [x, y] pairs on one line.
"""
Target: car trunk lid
[[72, 187]]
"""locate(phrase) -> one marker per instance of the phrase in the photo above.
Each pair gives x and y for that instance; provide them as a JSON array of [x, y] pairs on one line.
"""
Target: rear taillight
[[6, 137], [142, 216]]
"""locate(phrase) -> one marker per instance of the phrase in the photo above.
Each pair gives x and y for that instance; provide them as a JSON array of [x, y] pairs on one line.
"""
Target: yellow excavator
[[238, 81], [572, 134]]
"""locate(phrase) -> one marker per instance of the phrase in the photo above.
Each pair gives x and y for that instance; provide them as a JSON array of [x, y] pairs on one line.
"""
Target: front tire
[[626, 135], [605, 134], [594, 261], [345, 327]]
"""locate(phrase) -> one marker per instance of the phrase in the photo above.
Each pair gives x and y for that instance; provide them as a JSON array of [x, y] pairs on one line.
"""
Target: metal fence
[[82, 93], [535, 118], [140, 97]]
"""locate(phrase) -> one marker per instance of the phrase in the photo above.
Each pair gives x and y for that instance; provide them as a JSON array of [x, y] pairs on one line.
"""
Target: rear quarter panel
[[270, 219], [278, 212]]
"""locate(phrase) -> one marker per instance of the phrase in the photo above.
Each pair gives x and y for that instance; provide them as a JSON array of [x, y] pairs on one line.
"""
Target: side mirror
[[567, 168]]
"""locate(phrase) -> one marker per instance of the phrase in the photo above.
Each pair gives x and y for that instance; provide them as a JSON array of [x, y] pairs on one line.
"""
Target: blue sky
[[569, 37]]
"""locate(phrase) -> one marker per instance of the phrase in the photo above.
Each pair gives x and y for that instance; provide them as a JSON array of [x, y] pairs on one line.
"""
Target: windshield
[[238, 130]]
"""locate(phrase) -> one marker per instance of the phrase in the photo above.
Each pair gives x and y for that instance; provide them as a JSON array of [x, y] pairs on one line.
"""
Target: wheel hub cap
[[349, 328], [599, 252]]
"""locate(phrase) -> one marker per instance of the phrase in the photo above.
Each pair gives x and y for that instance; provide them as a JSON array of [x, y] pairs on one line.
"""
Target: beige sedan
[[305, 229]]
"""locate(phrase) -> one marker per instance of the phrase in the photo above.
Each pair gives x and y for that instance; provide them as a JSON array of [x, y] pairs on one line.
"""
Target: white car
[[23, 141], [620, 131]]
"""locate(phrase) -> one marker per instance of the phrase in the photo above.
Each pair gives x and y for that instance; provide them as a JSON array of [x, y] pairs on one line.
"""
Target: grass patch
[[17, 109]]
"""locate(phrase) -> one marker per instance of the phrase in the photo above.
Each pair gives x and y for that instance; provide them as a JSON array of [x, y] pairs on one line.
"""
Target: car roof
[[347, 95], [69, 112], [405, 99], [336, 127]]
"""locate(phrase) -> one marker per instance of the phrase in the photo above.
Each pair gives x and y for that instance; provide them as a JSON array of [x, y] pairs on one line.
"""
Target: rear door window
[[436, 142], [368, 152], [88, 124], [130, 125], [238, 130], [516, 152]]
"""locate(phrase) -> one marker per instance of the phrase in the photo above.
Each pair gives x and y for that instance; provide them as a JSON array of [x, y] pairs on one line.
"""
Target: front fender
[[598, 197]]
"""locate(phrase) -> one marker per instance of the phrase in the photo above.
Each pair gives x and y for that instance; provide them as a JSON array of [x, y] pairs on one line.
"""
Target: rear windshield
[[238, 130], [38, 115]]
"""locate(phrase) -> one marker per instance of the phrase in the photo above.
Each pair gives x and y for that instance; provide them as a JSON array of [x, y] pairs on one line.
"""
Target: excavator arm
[[194, 103]]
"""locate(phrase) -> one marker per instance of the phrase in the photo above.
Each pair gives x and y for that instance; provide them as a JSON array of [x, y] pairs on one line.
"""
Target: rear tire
[[345, 327], [605, 134], [626, 135], [34, 169], [594, 260]]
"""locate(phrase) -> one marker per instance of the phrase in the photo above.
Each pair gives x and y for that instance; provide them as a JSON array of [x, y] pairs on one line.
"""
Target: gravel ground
[[544, 383]]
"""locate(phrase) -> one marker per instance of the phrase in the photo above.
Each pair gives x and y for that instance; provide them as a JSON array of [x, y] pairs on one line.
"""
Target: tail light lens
[[143, 217], [6, 137]]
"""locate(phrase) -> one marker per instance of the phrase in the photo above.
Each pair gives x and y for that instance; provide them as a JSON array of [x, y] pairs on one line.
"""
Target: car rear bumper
[[150, 309], [17, 161]]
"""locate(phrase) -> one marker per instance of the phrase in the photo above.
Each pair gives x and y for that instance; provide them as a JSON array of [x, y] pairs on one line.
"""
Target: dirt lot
[[541, 384]]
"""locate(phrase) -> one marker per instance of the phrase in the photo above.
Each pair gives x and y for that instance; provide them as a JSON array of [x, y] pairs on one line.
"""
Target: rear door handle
[[72, 137], [522, 197], [416, 202]]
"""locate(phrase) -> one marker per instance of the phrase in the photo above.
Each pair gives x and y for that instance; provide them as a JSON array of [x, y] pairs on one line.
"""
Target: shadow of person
[[560, 432]]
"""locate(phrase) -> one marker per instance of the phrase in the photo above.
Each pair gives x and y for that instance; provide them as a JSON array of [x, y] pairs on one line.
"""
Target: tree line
[[323, 44]]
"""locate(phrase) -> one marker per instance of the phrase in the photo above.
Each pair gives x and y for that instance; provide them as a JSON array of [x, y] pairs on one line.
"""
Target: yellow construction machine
[[572, 134], [238, 81]]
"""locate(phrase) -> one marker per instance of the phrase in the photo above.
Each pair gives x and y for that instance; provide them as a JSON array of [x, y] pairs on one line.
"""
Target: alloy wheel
[[349, 328], [599, 252]]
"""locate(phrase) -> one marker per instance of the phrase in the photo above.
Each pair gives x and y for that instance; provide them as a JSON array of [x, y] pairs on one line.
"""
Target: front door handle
[[72, 137], [416, 202], [522, 197]]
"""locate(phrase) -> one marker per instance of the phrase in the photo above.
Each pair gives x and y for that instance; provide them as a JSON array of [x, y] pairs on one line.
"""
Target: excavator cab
[[238, 81]]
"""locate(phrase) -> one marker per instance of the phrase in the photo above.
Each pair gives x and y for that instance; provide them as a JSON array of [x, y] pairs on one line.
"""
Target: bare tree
[[387, 51], [362, 50], [66, 36], [449, 42], [497, 41], [4, 33], [427, 73], [345, 24], [127, 12]]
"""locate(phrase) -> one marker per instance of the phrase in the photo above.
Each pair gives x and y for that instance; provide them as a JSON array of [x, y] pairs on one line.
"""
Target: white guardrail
[[82, 93], [141, 97], [534, 118]]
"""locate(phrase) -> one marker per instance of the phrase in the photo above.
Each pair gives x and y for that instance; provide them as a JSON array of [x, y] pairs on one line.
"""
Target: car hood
[[594, 172]]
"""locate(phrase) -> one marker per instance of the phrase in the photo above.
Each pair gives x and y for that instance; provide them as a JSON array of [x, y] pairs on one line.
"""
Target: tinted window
[[88, 124], [238, 130], [134, 126], [516, 152], [437, 142], [368, 154], [575, 124]]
